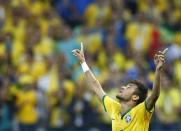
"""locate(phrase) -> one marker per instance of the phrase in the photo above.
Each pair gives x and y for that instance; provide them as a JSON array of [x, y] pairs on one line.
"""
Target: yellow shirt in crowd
[[26, 102], [136, 119], [168, 102]]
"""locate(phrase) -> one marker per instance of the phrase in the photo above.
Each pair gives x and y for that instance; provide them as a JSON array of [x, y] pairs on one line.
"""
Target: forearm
[[151, 100], [156, 85], [159, 60], [94, 83]]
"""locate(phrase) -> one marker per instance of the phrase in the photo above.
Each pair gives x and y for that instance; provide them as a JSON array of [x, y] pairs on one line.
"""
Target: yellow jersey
[[135, 119]]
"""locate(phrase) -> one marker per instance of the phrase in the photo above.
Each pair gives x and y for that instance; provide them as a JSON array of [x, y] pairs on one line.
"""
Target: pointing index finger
[[165, 50], [82, 48]]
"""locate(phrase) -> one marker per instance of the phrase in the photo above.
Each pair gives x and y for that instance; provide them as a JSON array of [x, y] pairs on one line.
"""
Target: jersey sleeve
[[110, 105], [144, 112]]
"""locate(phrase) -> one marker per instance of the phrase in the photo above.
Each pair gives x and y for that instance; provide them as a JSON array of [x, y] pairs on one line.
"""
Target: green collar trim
[[122, 115], [104, 103]]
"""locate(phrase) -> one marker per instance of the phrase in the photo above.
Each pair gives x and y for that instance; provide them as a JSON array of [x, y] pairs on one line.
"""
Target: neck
[[127, 105]]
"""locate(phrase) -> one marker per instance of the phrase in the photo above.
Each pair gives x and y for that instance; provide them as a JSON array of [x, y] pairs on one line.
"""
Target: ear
[[135, 98]]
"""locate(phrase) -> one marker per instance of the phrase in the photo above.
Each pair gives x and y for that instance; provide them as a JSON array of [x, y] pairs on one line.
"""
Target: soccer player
[[134, 109]]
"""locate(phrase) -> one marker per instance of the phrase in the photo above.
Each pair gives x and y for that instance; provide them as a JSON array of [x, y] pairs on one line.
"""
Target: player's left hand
[[159, 59]]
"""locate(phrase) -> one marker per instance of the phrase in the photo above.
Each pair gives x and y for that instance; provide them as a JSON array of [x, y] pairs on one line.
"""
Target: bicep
[[150, 102], [100, 93]]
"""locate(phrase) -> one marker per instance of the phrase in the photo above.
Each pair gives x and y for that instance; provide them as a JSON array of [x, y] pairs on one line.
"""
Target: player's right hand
[[79, 53]]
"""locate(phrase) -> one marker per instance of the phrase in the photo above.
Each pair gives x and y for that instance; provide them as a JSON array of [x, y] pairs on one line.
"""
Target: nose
[[122, 88]]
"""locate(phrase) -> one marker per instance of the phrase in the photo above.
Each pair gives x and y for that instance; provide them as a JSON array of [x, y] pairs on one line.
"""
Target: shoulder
[[143, 105], [142, 110], [109, 102]]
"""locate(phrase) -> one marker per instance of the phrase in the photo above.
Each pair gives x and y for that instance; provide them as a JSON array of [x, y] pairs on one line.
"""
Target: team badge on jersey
[[128, 118]]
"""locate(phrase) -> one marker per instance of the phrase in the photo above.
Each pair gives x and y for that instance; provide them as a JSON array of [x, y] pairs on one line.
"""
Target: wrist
[[82, 61], [158, 70], [85, 67]]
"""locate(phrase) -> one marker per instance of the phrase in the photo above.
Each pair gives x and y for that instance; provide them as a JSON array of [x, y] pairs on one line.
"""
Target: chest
[[125, 122]]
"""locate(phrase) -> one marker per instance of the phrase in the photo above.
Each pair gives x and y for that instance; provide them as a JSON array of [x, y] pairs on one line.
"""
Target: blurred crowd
[[42, 87]]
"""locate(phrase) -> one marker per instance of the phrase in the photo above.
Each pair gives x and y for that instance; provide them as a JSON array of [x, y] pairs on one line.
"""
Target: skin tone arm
[[91, 79], [159, 61]]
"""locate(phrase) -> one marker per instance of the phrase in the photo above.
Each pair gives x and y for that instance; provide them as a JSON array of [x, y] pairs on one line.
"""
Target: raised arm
[[91, 79], [159, 62]]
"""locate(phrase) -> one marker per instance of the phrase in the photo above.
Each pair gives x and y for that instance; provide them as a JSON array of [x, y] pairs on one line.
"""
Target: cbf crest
[[128, 118]]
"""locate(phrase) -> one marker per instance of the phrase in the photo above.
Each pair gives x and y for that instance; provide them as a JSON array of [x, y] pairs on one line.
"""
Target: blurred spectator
[[71, 10], [97, 10], [2, 16], [66, 45], [169, 105], [6, 107], [58, 114], [26, 105]]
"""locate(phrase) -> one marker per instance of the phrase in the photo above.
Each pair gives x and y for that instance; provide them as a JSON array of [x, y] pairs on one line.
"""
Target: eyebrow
[[130, 84]]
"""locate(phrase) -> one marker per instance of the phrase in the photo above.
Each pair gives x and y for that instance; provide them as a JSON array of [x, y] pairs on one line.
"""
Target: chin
[[119, 97]]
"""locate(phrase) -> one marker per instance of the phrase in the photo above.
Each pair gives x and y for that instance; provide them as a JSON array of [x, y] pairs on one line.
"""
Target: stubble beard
[[120, 98]]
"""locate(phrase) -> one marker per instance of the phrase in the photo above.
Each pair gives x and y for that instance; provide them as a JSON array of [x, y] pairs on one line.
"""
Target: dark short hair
[[141, 91]]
